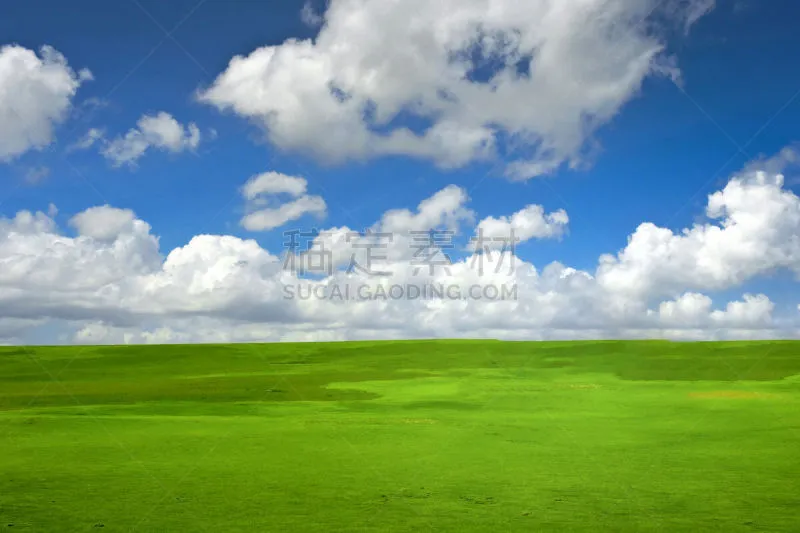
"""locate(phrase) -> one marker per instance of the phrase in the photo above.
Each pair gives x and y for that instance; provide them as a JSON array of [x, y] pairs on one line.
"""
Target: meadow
[[402, 436]]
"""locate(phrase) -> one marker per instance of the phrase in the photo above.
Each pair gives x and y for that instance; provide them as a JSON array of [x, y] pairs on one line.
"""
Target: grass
[[402, 436]]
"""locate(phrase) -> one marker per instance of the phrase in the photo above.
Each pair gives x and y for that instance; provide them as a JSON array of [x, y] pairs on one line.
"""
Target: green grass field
[[402, 436]]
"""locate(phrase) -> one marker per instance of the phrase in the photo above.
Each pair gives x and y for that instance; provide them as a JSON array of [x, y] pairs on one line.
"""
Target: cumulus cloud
[[274, 183], [528, 223], [160, 131], [36, 93], [754, 230], [43, 268], [445, 208], [455, 81], [269, 218], [406, 235], [399, 235], [103, 222], [265, 189], [694, 310], [110, 283]]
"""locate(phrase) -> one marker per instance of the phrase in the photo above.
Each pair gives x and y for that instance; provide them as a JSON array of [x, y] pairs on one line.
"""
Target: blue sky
[[737, 65], [665, 149]]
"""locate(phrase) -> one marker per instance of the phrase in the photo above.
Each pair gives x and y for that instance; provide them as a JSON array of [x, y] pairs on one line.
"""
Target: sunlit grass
[[405, 436]]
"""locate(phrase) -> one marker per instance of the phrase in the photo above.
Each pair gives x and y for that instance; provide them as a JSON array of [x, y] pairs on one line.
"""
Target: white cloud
[[274, 183], [104, 222], [309, 16], [264, 188], [36, 92], [160, 131], [755, 230], [697, 10], [36, 175], [43, 268], [109, 283], [91, 137], [398, 236], [689, 309], [488, 76], [754, 310], [528, 223], [269, 218], [694, 310], [443, 209]]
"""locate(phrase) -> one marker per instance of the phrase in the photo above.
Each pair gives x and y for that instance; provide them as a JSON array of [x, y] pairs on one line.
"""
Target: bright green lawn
[[402, 436]]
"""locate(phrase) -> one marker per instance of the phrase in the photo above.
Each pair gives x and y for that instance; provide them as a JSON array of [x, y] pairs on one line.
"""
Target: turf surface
[[402, 436]]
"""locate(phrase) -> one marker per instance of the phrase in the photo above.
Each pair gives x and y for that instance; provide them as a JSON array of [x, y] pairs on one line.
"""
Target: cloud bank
[[109, 282]]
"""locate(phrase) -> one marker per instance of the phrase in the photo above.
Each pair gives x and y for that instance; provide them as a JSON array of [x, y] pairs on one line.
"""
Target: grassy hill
[[402, 436]]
